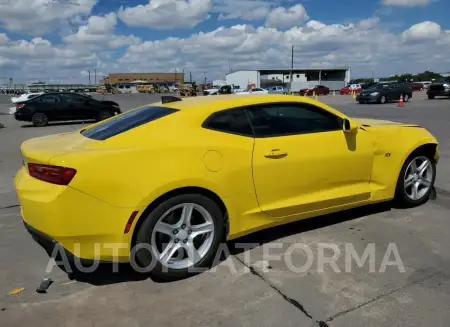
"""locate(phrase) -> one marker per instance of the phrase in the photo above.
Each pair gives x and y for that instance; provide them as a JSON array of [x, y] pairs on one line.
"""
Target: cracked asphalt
[[246, 289]]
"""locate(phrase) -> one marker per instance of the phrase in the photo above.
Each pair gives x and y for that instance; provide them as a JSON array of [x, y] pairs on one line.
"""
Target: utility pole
[[292, 68], [89, 71], [229, 66], [190, 77], [95, 76], [204, 74]]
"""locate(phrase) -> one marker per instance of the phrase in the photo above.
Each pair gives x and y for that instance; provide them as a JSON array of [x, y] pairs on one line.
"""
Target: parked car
[[318, 89], [255, 90], [441, 88], [416, 86], [277, 90], [385, 92], [351, 88], [25, 97], [48, 107], [228, 167], [21, 98], [223, 89]]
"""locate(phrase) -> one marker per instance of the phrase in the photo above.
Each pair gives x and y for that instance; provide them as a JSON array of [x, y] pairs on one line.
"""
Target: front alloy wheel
[[416, 180], [383, 99]]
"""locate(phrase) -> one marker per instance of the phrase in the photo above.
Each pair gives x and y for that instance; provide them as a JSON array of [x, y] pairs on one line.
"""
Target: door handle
[[276, 154]]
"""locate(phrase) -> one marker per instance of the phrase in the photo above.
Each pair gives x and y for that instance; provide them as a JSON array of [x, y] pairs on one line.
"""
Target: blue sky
[[60, 40]]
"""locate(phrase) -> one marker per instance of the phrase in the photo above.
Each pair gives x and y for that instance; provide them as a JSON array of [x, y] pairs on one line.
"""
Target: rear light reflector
[[20, 105], [52, 174]]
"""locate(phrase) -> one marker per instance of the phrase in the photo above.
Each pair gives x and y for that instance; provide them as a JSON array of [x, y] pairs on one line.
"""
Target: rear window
[[125, 122]]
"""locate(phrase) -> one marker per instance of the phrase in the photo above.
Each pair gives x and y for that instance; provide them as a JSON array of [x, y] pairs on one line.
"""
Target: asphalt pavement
[[246, 288]]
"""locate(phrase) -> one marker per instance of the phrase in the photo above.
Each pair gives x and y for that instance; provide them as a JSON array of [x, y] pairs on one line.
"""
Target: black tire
[[401, 197], [383, 99], [145, 258], [361, 102], [104, 114], [430, 97], [39, 119]]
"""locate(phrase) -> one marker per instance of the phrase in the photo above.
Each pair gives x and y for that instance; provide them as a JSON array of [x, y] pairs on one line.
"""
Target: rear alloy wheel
[[39, 119], [104, 114], [383, 99], [406, 98], [183, 235], [416, 180]]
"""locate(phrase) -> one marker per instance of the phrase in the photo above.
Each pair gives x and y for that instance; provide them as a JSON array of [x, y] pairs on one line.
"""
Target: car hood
[[369, 122]]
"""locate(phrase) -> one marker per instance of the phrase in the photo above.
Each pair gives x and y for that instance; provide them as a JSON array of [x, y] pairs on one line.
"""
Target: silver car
[[277, 90]]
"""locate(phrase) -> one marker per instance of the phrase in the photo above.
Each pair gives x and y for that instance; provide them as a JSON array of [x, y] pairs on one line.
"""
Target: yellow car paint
[[323, 173]]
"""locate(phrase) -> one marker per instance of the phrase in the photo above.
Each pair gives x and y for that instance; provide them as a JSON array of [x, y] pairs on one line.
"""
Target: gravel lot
[[268, 294]]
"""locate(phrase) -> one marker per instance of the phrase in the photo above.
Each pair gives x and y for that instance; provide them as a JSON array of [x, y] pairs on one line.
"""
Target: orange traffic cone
[[400, 102]]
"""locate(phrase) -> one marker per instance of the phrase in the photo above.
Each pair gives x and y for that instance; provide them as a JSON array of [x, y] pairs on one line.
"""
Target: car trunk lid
[[43, 149]]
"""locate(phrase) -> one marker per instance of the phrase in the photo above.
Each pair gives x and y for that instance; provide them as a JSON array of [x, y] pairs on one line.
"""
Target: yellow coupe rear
[[175, 179]]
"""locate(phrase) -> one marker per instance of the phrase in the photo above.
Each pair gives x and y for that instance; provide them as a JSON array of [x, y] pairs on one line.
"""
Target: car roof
[[210, 104]]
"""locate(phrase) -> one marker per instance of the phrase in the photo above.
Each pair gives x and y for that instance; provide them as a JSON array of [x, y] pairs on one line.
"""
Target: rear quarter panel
[[138, 166]]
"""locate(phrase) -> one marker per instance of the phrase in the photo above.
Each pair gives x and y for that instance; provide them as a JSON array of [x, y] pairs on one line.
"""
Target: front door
[[303, 161]]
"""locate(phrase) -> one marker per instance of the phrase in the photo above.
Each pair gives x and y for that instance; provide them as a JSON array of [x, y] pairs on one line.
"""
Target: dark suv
[[441, 88], [64, 106], [385, 92]]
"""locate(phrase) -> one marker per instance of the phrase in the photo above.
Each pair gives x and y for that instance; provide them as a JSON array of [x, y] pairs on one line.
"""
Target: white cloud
[[363, 45], [422, 32], [369, 23], [167, 14], [406, 3], [99, 31], [3, 38], [242, 9], [282, 17], [40, 16]]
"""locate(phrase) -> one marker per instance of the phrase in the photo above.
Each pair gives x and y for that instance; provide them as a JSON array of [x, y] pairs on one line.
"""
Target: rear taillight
[[19, 105], [52, 174]]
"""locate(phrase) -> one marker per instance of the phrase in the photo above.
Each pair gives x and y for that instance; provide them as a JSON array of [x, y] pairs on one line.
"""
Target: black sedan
[[63, 107], [439, 89], [385, 92]]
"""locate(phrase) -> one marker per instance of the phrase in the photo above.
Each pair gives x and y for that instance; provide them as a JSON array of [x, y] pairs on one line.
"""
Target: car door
[[52, 106], [393, 92], [303, 161], [78, 106]]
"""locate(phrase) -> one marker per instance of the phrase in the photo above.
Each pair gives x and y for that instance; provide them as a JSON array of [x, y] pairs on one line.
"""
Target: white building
[[333, 78]]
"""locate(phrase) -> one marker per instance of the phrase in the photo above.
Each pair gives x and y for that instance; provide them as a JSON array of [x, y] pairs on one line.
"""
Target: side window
[[49, 99], [288, 119], [72, 98], [234, 121]]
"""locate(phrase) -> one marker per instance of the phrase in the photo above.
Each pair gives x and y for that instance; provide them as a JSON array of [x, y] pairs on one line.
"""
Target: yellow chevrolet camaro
[[178, 177]]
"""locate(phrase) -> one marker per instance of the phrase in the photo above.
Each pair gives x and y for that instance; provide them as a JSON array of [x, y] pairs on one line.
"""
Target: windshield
[[378, 86], [125, 122]]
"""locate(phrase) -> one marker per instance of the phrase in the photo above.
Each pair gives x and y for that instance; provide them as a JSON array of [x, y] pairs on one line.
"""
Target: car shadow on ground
[[105, 275], [65, 123]]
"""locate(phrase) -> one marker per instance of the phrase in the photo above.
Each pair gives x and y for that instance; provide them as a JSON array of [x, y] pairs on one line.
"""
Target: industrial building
[[124, 79], [333, 78]]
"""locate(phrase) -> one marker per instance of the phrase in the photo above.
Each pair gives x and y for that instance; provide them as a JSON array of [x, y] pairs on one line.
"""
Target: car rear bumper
[[442, 92], [22, 116], [84, 226]]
